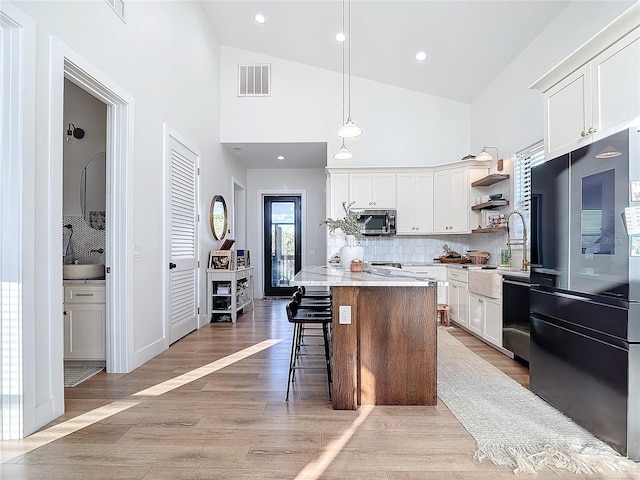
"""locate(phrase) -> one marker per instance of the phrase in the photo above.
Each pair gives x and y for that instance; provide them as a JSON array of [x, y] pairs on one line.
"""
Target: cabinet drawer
[[243, 273], [459, 275], [84, 294]]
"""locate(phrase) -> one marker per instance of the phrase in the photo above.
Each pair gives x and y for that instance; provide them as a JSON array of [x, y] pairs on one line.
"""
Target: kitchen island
[[383, 335]]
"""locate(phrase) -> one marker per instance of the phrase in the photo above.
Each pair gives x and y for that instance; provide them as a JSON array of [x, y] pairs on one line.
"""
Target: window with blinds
[[524, 161]]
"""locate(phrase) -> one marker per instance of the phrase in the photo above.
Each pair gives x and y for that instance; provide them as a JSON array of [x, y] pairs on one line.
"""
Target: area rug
[[76, 374], [511, 425]]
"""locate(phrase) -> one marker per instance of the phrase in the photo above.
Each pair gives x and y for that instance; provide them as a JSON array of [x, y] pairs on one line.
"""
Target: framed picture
[[222, 260]]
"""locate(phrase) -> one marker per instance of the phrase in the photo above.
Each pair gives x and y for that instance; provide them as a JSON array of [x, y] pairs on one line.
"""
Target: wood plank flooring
[[234, 423]]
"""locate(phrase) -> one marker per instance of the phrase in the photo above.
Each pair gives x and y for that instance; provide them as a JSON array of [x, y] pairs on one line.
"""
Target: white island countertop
[[326, 276]]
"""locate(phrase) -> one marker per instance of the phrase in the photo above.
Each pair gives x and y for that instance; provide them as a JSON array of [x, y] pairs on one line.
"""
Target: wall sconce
[[72, 132], [484, 156]]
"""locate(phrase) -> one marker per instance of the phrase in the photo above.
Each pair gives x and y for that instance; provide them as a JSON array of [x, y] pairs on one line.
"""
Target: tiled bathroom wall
[[85, 239]]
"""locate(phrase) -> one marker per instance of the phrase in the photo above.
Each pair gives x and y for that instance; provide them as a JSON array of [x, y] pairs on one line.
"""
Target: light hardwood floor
[[234, 423]]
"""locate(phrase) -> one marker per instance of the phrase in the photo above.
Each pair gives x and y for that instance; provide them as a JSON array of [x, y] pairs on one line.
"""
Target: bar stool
[[313, 293], [443, 314], [301, 319]]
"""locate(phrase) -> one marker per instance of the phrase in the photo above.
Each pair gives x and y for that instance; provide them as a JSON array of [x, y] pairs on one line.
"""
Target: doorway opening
[[282, 243]]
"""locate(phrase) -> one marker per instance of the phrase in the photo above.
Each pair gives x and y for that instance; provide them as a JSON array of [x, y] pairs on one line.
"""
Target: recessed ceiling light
[[280, 157], [341, 37], [260, 18], [421, 56]]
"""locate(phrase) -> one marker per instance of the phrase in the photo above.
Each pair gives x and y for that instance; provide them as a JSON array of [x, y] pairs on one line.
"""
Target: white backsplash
[[424, 249]]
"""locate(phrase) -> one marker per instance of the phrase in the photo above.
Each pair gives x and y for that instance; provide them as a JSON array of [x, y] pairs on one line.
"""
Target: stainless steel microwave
[[381, 221]]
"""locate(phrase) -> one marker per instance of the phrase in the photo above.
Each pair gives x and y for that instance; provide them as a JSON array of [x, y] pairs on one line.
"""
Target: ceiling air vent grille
[[254, 80]]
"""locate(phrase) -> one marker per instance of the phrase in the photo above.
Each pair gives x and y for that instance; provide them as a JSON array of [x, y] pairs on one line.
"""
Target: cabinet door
[[567, 112], [476, 313], [85, 332], [463, 304], [383, 190], [616, 86], [441, 202], [453, 301], [492, 322], [406, 203], [339, 194], [423, 206], [360, 188], [459, 206]]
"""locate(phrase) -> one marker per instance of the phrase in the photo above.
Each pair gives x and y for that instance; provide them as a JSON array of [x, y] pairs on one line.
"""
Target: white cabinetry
[[84, 322], [414, 203], [458, 296], [372, 190], [228, 292], [597, 98], [434, 272], [339, 183], [485, 318], [451, 198]]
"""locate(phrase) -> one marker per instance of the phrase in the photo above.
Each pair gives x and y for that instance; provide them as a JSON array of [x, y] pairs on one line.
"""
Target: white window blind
[[524, 161]]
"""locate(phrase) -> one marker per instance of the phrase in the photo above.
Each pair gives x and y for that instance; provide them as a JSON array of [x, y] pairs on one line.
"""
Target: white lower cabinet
[[485, 318], [84, 322], [458, 297]]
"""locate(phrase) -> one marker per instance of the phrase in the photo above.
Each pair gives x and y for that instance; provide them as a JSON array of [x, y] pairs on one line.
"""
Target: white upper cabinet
[[372, 190], [451, 201], [339, 183], [414, 203], [594, 92]]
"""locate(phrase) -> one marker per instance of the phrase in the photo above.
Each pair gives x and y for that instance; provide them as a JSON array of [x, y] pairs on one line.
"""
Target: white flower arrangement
[[349, 224]]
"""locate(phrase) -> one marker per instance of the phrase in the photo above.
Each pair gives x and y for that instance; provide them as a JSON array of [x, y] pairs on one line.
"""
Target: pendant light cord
[[342, 119], [349, 40]]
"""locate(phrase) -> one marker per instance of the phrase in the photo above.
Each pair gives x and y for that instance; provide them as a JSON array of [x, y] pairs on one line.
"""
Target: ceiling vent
[[254, 80]]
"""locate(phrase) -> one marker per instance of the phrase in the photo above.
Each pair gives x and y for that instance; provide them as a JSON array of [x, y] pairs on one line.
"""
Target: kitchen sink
[[487, 283], [82, 271]]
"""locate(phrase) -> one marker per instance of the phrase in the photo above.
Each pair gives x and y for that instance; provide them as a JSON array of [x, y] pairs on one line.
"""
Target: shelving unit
[[490, 204], [490, 180], [229, 292], [490, 230]]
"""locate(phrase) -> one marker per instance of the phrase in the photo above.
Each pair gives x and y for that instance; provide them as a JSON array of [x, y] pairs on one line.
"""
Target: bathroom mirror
[[218, 217], [93, 191]]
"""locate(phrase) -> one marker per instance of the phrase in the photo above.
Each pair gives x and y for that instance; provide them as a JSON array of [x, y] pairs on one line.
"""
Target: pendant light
[[349, 129], [343, 153]]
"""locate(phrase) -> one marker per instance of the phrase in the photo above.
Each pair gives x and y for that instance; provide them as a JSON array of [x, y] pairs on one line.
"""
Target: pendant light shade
[[485, 156], [343, 153], [349, 130]]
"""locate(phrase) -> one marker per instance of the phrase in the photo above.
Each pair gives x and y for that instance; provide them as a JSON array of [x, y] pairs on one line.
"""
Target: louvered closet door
[[183, 263]]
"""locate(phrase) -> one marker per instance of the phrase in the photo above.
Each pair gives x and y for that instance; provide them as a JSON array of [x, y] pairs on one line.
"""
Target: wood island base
[[387, 354]]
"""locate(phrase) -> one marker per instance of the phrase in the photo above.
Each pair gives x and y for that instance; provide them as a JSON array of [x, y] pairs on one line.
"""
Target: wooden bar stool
[[443, 314]]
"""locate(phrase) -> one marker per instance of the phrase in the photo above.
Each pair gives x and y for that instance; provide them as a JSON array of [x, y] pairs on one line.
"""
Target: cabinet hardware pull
[[84, 294], [592, 130], [583, 134], [172, 265]]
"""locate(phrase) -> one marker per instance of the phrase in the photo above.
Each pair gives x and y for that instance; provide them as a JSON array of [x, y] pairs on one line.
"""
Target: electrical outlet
[[345, 315]]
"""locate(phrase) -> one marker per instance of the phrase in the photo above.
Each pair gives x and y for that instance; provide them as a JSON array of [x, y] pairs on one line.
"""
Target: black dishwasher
[[515, 315]]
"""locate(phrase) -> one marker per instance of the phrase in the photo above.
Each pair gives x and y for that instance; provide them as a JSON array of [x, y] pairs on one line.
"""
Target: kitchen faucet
[[518, 241]]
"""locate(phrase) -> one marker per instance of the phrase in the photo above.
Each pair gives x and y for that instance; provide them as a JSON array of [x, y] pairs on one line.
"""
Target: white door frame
[[17, 232], [65, 63], [239, 213], [259, 266]]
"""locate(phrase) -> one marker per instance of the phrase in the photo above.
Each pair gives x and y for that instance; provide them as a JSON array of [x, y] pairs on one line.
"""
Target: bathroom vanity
[[84, 320]]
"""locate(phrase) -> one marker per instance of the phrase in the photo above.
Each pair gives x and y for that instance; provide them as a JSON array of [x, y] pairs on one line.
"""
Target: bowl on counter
[[478, 258]]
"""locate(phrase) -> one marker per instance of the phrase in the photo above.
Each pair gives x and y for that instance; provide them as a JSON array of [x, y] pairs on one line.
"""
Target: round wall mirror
[[218, 217], [93, 193]]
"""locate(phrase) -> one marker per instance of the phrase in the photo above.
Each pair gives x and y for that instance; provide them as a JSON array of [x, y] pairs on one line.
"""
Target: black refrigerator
[[585, 307]]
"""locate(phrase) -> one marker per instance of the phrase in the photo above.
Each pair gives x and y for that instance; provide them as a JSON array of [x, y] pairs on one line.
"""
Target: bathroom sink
[[82, 272]]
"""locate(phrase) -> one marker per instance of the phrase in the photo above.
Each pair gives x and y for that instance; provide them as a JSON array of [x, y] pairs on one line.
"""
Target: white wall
[[507, 114], [401, 127], [311, 182], [166, 58]]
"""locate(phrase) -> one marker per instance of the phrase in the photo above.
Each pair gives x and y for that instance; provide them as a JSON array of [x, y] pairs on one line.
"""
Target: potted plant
[[352, 231]]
